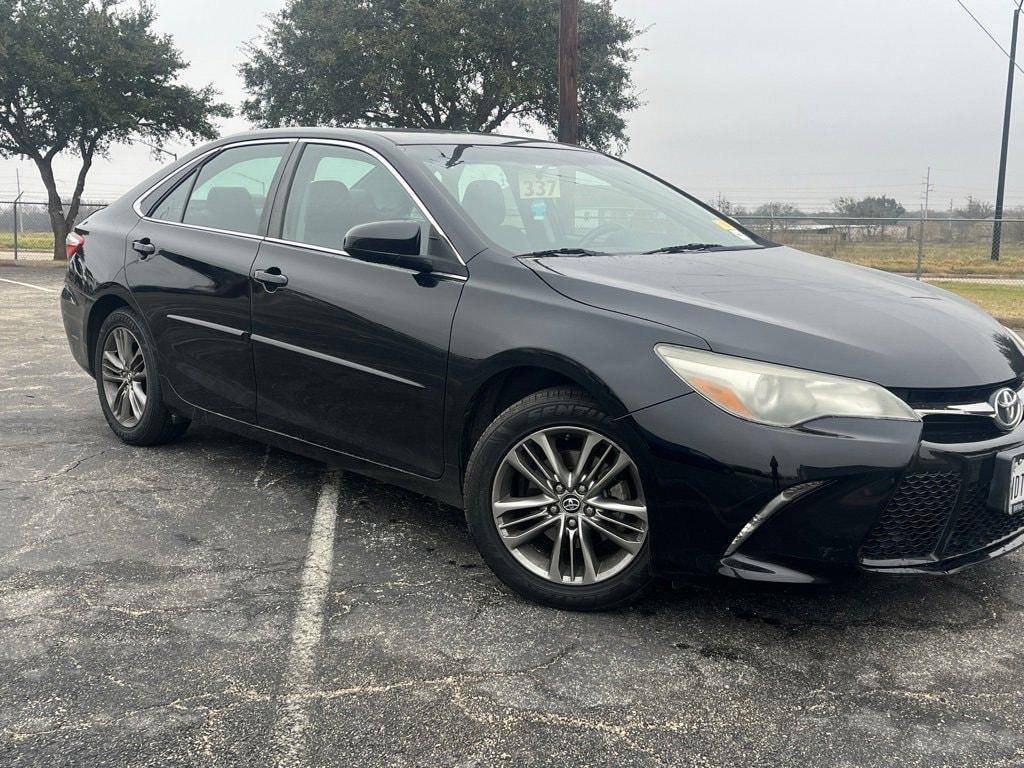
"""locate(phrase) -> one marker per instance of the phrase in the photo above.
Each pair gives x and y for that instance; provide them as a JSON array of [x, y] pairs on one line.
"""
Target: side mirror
[[388, 242]]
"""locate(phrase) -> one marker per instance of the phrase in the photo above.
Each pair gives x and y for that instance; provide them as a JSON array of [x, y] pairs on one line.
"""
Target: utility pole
[[997, 225], [161, 150], [568, 112], [17, 202], [924, 218]]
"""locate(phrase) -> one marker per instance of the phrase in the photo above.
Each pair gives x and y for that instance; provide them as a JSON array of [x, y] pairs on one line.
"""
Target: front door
[[188, 268], [349, 354]]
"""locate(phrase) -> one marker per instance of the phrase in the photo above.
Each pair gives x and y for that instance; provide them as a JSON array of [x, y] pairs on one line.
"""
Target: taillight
[[73, 244]]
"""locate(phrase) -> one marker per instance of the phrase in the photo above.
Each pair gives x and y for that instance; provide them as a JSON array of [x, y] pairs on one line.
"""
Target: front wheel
[[556, 504]]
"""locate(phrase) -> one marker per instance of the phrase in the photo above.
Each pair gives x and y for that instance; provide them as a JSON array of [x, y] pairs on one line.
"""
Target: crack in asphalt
[[63, 471]]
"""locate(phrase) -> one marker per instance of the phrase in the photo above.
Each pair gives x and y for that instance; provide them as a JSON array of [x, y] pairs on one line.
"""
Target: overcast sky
[[793, 100]]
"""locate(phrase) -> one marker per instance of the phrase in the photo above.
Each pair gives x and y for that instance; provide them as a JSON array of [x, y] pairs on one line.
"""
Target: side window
[[231, 189], [334, 189], [172, 207]]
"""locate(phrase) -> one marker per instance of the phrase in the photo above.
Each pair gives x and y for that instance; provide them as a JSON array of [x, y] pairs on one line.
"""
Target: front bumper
[[887, 501]]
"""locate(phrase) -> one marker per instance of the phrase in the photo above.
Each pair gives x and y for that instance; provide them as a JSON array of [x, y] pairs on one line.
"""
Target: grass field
[[1005, 302], [29, 241], [954, 258]]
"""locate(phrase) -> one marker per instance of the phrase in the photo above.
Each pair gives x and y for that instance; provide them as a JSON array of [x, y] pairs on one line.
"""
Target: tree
[[77, 76], [780, 213], [975, 209], [869, 208], [775, 210], [464, 65], [869, 211], [729, 208]]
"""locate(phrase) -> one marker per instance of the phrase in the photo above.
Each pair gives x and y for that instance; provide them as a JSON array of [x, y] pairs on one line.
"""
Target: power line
[[990, 35]]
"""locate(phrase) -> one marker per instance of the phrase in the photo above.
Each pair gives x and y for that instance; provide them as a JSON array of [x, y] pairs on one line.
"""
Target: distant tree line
[[864, 210]]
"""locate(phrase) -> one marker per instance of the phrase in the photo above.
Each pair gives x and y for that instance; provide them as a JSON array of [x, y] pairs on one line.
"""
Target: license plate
[[1016, 503]]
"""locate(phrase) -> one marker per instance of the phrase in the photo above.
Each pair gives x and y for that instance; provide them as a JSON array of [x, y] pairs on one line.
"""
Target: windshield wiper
[[687, 247], [562, 252]]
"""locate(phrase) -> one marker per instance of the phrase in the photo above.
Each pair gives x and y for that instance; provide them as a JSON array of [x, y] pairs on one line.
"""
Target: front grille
[[923, 520], [934, 399], [959, 429], [914, 518], [955, 427], [978, 525]]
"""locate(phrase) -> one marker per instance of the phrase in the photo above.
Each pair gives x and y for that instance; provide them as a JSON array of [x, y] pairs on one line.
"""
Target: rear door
[[351, 354], [188, 267]]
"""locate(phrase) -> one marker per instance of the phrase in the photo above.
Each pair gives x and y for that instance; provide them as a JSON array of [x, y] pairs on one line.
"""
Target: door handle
[[144, 248], [271, 278]]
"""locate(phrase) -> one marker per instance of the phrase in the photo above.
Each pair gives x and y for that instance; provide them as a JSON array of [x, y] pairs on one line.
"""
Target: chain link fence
[[25, 233]]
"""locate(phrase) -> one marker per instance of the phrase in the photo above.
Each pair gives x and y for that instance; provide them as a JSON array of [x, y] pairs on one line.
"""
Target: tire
[[564, 417], [152, 423]]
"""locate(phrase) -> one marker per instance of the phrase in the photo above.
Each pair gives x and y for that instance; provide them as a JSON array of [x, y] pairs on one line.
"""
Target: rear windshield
[[527, 199]]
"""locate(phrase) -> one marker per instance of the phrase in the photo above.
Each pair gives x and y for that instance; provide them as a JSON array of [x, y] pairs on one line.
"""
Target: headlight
[[776, 395]]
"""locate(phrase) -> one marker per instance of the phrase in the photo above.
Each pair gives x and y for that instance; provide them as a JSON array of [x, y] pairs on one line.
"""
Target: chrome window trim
[[207, 324], [343, 254], [336, 360]]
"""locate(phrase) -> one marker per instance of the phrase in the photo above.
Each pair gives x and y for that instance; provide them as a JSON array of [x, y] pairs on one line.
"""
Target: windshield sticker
[[722, 223], [540, 209], [538, 184]]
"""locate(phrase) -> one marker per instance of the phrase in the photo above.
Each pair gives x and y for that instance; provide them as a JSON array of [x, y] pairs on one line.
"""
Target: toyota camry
[[612, 379]]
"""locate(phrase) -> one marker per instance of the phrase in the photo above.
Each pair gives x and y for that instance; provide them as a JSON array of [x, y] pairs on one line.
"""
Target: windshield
[[533, 199]]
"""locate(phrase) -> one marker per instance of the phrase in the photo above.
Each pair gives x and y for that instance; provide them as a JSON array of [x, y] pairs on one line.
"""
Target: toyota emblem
[[570, 504], [1008, 409]]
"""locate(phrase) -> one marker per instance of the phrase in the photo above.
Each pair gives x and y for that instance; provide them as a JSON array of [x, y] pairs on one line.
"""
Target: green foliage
[[869, 208], [444, 64], [77, 76]]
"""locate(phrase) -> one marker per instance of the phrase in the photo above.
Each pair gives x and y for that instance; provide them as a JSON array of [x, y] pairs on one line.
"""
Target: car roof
[[397, 136]]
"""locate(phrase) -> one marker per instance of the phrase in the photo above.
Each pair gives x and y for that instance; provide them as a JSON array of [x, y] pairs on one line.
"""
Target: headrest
[[231, 208], [328, 213], [485, 203]]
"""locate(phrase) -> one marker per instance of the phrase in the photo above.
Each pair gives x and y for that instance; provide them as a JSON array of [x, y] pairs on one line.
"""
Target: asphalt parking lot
[[216, 603]]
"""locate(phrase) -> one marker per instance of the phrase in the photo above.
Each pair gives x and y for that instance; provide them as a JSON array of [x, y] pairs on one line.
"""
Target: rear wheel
[[556, 503], [128, 383]]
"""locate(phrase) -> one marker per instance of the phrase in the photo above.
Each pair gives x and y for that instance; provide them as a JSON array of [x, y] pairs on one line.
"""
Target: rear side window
[[231, 190], [172, 207], [336, 188]]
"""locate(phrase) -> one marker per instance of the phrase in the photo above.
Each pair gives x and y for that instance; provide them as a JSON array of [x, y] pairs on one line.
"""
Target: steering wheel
[[604, 229]]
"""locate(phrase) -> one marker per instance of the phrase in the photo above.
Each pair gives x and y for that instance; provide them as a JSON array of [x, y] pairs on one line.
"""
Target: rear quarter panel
[[96, 271]]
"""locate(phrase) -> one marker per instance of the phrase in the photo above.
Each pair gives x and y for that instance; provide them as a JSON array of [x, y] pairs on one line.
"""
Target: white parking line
[[292, 717], [28, 285]]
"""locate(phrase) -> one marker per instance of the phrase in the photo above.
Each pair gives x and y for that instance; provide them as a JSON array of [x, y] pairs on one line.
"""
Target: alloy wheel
[[124, 376], [569, 505]]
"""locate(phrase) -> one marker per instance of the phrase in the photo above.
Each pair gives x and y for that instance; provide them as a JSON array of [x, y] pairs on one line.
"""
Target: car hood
[[784, 306]]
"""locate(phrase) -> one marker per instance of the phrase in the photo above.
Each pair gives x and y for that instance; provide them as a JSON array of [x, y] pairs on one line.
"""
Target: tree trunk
[[55, 208]]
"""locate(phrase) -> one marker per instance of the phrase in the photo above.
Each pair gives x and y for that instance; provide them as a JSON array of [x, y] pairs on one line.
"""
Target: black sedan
[[611, 378]]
